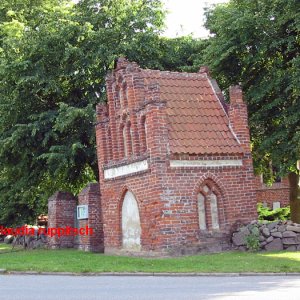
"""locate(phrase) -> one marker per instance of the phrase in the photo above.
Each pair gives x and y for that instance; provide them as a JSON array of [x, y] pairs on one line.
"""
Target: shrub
[[267, 214], [252, 239]]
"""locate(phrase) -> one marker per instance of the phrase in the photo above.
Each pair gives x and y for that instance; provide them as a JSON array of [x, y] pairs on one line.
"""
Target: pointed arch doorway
[[131, 224]]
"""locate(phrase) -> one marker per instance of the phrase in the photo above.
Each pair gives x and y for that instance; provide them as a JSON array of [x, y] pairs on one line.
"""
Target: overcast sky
[[187, 16]]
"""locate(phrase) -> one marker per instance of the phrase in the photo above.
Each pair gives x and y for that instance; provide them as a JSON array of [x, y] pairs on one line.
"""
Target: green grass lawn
[[78, 261]]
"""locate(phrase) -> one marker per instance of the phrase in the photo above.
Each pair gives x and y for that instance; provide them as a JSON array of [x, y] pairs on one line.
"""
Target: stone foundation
[[274, 236]]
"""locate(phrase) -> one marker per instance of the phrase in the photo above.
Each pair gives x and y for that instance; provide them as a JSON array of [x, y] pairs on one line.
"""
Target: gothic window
[[208, 211], [214, 211], [127, 139], [201, 212]]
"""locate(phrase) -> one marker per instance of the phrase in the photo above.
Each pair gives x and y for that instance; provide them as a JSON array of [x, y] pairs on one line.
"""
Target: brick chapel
[[174, 159]]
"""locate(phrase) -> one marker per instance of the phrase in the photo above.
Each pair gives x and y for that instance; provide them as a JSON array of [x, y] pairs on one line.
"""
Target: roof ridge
[[186, 74]]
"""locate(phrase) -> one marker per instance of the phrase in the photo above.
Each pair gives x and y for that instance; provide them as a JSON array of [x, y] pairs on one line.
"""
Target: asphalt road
[[46, 287]]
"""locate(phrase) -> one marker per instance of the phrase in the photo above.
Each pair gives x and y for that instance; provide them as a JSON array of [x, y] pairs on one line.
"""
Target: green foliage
[[252, 239], [257, 43], [267, 214], [54, 56], [178, 54]]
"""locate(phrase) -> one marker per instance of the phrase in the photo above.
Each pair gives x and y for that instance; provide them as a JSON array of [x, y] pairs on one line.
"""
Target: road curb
[[140, 274]]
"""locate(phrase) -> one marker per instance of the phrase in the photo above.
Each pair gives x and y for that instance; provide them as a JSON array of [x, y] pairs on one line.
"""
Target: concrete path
[[49, 287]]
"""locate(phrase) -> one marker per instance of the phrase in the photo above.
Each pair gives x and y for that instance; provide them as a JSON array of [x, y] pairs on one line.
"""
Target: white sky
[[187, 16]]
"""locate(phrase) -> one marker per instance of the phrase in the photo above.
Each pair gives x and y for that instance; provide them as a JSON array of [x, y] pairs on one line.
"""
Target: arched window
[[201, 212], [208, 210]]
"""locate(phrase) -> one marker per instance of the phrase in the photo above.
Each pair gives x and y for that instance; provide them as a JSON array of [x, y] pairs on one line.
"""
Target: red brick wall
[[175, 191], [167, 197], [278, 192], [147, 186], [234, 202]]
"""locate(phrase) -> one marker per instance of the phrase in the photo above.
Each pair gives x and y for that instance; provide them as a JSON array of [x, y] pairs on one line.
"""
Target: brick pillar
[[91, 196], [136, 95], [61, 213], [238, 117], [156, 126]]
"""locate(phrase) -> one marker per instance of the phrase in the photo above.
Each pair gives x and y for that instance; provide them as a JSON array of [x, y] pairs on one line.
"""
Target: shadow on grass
[[9, 248]]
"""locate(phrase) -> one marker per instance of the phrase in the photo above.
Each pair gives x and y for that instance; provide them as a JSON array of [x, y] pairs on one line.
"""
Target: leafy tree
[[54, 56], [257, 43], [172, 54]]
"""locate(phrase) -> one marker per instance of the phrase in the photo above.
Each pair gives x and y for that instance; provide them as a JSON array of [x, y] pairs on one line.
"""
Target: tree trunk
[[294, 197]]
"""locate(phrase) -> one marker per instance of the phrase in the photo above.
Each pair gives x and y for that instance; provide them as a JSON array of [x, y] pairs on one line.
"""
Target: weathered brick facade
[[180, 157]]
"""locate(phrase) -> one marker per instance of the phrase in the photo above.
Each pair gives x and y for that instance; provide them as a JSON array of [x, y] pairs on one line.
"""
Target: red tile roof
[[198, 123]]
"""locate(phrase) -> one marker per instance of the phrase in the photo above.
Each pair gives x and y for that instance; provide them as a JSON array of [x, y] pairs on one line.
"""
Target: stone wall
[[274, 236], [36, 241]]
